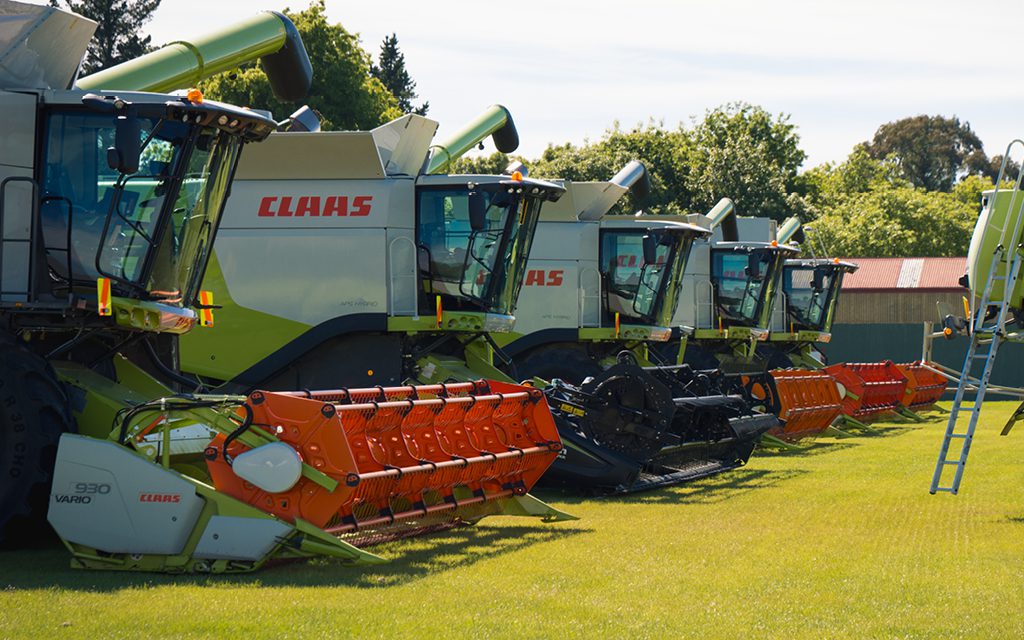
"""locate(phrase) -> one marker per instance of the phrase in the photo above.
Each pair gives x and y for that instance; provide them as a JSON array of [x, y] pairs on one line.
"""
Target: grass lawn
[[841, 540]]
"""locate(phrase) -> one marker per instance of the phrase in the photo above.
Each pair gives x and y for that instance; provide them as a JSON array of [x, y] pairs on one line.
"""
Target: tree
[[393, 75], [344, 93], [744, 152], [493, 164], [865, 207], [118, 36], [933, 152], [661, 150]]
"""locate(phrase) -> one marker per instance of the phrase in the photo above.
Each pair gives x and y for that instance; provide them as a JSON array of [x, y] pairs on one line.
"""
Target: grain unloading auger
[[599, 290]]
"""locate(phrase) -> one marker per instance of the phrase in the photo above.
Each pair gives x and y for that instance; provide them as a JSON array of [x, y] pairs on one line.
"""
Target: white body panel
[[561, 289], [110, 499], [361, 231], [17, 158]]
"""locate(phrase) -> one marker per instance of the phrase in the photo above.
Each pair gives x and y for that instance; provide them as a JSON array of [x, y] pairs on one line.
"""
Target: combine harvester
[[110, 201], [600, 289], [727, 305], [993, 315], [449, 253]]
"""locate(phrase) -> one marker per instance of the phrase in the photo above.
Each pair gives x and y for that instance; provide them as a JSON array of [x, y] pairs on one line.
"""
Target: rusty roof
[[882, 274]]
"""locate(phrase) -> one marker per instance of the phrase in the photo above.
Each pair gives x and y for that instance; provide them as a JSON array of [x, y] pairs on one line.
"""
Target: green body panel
[[458, 321], [140, 315], [184, 64], [96, 399], [994, 227], [240, 337], [800, 336]]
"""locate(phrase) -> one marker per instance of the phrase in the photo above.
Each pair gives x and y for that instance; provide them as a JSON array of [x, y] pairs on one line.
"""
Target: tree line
[[913, 189]]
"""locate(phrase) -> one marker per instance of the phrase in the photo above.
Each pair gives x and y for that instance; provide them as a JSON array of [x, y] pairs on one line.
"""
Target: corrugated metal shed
[[893, 274]]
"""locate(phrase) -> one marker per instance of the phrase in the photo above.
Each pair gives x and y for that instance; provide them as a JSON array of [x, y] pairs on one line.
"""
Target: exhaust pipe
[[723, 214], [496, 122], [269, 36]]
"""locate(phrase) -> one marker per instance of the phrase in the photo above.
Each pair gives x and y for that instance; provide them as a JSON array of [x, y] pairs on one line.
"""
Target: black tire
[[568, 362], [34, 412]]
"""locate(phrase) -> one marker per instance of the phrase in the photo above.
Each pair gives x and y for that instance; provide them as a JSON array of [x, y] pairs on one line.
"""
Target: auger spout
[[789, 230], [495, 121], [723, 215], [270, 37]]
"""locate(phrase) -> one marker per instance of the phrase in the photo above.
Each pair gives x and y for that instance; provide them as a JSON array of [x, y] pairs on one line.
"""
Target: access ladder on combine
[[990, 336]]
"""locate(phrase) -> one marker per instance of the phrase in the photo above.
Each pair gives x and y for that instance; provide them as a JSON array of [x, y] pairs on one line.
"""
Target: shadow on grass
[[411, 560], [806, 450], [713, 489]]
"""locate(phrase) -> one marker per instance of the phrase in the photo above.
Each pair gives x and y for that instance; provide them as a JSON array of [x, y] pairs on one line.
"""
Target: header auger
[[299, 474]]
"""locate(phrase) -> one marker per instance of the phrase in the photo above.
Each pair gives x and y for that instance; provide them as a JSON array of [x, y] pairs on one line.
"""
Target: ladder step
[[959, 435], [950, 462], [946, 489]]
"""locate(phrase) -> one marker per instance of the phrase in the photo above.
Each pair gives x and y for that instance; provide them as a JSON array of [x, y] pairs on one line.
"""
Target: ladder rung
[[959, 435], [950, 462], [946, 489]]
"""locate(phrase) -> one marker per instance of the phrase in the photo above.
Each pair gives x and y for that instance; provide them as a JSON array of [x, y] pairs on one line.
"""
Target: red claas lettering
[[542, 278], [314, 206]]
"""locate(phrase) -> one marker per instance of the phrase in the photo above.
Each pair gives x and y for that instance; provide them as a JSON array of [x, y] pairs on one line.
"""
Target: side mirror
[[125, 154], [818, 279], [650, 249], [754, 266], [477, 211]]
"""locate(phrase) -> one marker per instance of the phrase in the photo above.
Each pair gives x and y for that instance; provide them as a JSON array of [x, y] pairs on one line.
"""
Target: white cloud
[[567, 69]]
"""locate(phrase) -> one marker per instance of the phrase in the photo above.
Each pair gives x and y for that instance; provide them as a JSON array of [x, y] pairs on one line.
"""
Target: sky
[[567, 70]]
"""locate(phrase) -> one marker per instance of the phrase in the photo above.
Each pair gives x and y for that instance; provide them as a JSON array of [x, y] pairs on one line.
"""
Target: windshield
[[157, 235], [745, 283], [810, 295], [475, 269], [642, 291]]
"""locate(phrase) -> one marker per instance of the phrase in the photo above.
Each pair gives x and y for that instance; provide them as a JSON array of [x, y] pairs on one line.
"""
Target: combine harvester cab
[[993, 315], [804, 312], [601, 289]]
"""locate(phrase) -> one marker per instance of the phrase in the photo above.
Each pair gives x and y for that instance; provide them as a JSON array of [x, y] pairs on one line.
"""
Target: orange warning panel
[[103, 296], [398, 454], [869, 388], [806, 401], [924, 386]]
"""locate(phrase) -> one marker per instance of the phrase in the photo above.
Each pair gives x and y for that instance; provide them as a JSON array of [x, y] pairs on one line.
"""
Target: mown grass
[[841, 540]]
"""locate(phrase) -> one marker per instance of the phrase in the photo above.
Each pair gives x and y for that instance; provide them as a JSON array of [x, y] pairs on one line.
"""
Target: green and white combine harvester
[[993, 316], [110, 200], [599, 290], [804, 311], [728, 295], [390, 272]]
